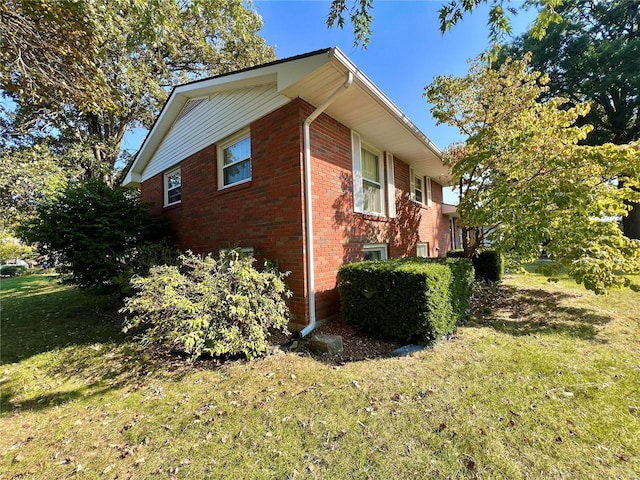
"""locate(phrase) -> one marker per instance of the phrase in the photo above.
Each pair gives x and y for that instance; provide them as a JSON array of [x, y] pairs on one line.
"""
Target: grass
[[545, 384]]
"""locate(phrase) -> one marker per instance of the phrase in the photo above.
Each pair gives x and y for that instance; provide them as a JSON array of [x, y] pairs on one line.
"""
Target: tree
[[86, 72], [450, 14], [523, 175], [100, 235], [593, 55]]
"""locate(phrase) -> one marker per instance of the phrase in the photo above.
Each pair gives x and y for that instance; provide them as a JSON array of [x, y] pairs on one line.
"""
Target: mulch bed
[[357, 345]]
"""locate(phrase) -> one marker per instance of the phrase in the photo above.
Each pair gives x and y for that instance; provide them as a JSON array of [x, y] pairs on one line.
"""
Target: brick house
[[302, 160]]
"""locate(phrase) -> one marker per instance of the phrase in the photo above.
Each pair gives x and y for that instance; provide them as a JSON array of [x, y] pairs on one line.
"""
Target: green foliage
[[489, 265], [13, 270], [10, 248], [86, 72], [406, 299], [524, 178], [100, 235], [593, 56], [209, 306], [28, 174], [499, 21], [457, 253]]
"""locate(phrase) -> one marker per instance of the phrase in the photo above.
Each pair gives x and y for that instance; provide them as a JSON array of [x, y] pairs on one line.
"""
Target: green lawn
[[544, 385]]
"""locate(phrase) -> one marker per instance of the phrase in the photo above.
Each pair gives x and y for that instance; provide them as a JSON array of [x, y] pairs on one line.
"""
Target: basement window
[[422, 250], [375, 251]]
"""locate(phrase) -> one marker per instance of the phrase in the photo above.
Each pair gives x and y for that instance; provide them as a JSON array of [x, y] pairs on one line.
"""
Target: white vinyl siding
[[368, 178], [172, 187], [207, 122]]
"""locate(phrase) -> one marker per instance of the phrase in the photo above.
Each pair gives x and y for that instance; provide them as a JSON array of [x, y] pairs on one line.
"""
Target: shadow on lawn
[[523, 311], [92, 355]]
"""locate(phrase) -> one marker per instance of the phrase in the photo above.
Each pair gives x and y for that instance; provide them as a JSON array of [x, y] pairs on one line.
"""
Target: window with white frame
[[417, 186], [368, 178], [172, 187], [429, 195], [234, 160], [375, 251], [422, 249]]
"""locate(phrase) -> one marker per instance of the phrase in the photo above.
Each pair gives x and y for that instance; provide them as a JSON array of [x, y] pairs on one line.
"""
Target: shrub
[[457, 253], [13, 270], [209, 306], [405, 299], [489, 265], [98, 234]]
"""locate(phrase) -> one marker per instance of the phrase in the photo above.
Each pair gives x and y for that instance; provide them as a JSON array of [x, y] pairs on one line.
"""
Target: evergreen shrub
[[410, 299], [489, 265], [209, 306]]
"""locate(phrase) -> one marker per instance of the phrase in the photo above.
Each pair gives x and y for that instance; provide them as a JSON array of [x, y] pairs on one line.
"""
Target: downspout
[[308, 203]]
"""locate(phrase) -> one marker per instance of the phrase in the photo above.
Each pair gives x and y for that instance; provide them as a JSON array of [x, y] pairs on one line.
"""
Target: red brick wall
[[267, 213], [340, 233]]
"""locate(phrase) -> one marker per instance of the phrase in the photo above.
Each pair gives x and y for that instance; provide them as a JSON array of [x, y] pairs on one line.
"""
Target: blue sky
[[405, 53]]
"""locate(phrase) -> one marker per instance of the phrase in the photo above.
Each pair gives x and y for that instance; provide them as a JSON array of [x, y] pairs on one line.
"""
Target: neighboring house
[[302, 161]]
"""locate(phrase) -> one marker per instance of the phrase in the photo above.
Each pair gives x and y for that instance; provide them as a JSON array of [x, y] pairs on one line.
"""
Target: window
[[234, 160], [429, 196], [422, 249], [417, 188], [375, 251], [172, 187], [368, 178], [371, 182], [245, 251]]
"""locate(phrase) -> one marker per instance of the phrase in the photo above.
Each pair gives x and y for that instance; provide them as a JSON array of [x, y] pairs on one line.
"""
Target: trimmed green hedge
[[488, 263], [410, 299], [13, 270]]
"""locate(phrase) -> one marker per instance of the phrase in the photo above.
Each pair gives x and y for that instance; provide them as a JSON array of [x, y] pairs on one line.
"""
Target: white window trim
[[166, 186], [377, 247], [235, 138], [423, 244], [412, 175], [391, 187], [429, 193], [358, 191]]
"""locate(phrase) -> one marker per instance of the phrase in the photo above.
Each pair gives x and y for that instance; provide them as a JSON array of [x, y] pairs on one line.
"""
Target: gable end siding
[[207, 122]]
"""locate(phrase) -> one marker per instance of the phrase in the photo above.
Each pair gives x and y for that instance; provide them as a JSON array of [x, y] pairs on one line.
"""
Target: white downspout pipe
[[311, 274]]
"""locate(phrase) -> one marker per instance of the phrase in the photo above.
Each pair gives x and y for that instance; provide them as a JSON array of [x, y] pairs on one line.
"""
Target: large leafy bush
[[100, 236], [209, 306]]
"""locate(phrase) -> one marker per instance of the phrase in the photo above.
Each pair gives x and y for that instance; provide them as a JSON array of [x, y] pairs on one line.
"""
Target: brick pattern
[[267, 213]]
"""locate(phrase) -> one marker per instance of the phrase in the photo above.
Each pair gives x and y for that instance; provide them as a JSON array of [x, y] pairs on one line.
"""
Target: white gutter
[[311, 274]]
